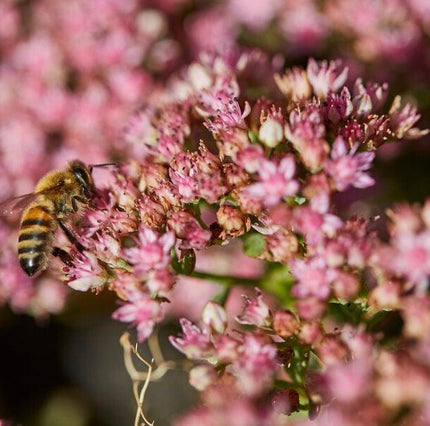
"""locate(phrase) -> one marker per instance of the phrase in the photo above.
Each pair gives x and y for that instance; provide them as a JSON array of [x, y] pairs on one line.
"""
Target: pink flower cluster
[[236, 366], [366, 34], [268, 173], [233, 148]]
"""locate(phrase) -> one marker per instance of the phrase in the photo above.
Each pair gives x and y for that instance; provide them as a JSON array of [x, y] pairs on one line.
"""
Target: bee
[[56, 198]]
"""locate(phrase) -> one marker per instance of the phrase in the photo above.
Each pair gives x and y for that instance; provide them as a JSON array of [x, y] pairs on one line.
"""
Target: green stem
[[227, 280]]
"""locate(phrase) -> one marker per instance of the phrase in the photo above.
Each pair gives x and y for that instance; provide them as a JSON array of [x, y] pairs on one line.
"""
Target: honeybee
[[56, 197]]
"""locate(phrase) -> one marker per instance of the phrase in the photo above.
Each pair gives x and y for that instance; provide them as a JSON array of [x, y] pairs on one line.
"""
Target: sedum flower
[[326, 77], [347, 168], [142, 311], [255, 311], [194, 343], [275, 181]]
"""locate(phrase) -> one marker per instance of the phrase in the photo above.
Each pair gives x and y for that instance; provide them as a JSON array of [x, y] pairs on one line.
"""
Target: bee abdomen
[[35, 239]]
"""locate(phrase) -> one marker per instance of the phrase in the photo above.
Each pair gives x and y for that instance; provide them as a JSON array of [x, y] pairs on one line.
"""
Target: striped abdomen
[[35, 238]]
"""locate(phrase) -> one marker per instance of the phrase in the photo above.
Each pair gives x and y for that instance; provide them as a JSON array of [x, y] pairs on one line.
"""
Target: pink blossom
[[87, 272], [285, 323], [306, 131], [276, 181], [257, 364], [338, 107], [233, 222], [142, 311], [107, 248], [281, 246], [255, 312], [152, 251], [256, 17], [403, 118], [227, 348], [348, 168], [202, 376], [160, 282], [313, 278], [194, 343], [303, 25], [294, 84], [210, 29], [188, 230], [183, 175], [408, 256], [349, 382], [9, 23], [250, 158], [314, 225], [310, 308], [376, 93], [326, 77]]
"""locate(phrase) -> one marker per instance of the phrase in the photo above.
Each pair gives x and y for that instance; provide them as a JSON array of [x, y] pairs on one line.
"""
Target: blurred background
[[72, 72]]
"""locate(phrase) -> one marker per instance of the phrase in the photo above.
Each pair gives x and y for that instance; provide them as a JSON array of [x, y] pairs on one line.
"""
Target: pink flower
[[315, 225], [256, 17], [227, 348], [152, 251], [303, 26], [306, 131], [313, 278], [202, 376], [338, 107], [276, 181], [194, 343], [294, 84], [349, 382], [326, 77], [255, 311], [142, 311], [87, 273], [285, 323], [408, 256], [256, 366], [402, 120], [183, 174], [375, 92], [160, 282], [187, 228], [348, 168], [250, 158], [107, 248]]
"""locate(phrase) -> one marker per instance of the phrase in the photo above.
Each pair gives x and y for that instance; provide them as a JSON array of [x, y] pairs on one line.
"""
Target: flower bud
[[215, 317], [202, 376], [285, 323], [271, 133], [232, 221]]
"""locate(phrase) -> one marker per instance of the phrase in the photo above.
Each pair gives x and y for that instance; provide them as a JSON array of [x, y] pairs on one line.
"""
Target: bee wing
[[16, 204]]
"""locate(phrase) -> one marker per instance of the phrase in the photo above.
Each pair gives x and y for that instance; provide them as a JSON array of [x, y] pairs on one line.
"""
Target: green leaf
[[186, 265], [254, 244], [278, 281], [253, 136], [346, 312]]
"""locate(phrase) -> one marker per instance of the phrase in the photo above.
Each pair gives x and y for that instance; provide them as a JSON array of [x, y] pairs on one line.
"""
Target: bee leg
[[64, 256], [77, 199], [71, 237]]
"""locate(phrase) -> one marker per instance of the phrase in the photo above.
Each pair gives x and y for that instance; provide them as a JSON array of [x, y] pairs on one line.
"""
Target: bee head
[[82, 174]]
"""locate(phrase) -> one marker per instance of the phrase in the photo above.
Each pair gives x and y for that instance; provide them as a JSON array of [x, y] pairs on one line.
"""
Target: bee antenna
[[91, 166]]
